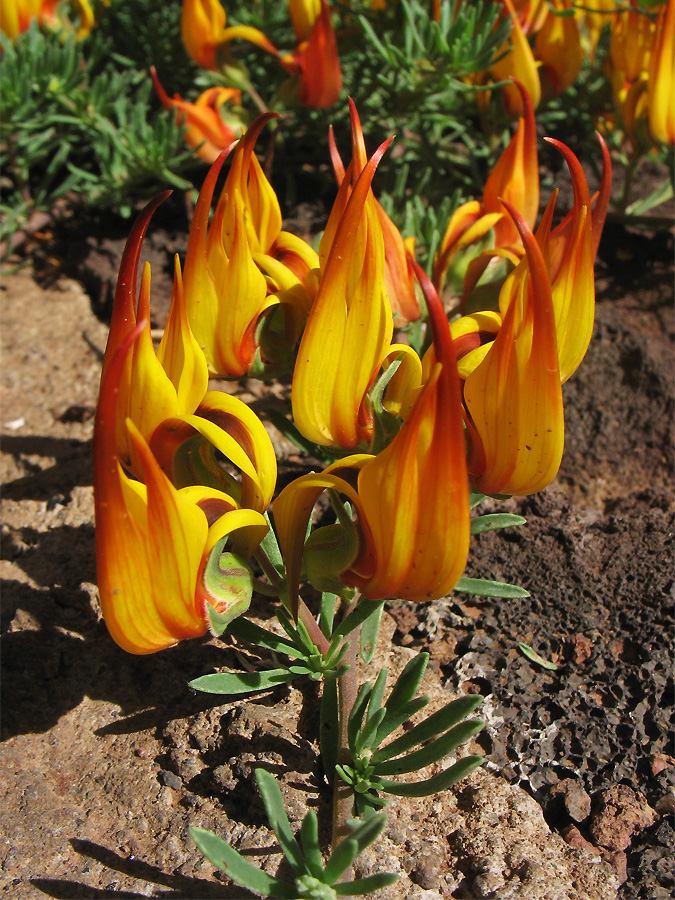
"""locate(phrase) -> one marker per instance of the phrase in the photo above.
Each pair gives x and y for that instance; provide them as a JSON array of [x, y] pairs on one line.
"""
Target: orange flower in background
[[641, 66], [242, 263], [203, 30], [16, 16], [557, 47], [515, 178], [518, 64], [209, 129], [661, 85], [315, 60]]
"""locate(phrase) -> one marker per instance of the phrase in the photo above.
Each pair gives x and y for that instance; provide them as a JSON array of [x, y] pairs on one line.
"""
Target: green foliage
[[371, 722], [73, 127], [313, 880]]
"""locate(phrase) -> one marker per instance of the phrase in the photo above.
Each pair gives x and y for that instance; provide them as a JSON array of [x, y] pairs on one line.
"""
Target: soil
[[108, 758]]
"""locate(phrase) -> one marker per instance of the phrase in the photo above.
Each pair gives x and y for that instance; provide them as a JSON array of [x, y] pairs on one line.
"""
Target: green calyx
[[228, 585], [328, 552]]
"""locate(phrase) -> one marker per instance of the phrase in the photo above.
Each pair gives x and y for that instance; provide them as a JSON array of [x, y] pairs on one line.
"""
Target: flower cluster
[[184, 475]]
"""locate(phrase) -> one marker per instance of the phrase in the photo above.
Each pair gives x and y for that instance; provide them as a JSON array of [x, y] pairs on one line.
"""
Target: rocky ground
[[108, 758]]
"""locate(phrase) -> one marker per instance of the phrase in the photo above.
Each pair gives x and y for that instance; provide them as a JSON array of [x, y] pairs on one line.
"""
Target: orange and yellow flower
[[315, 61], [158, 520], [350, 325], [242, 264], [209, 129], [16, 16], [411, 500], [204, 33], [515, 178]]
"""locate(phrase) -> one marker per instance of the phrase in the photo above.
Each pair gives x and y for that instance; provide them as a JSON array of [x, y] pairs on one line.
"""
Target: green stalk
[[343, 796]]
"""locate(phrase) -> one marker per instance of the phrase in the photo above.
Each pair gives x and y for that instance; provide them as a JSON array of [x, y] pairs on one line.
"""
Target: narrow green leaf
[[245, 630], [475, 499], [432, 752], [240, 870], [534, 657], [276, 813], [270, 547], [357, 713], [436, 724], [366, 736], [439, 782], [241, 683], [408, 682], [370, 631], [481, 587], [494, 521], [364, 609], [365, 885], [340, 859], [391, 722], [377, 694], [328, 606], [309, 838], [369, 830]]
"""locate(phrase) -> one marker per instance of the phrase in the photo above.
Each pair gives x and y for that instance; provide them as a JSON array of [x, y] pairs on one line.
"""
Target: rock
[[577, 802], [575, 838], [618, 861], [661, 761], [516, 857], [622, 812]]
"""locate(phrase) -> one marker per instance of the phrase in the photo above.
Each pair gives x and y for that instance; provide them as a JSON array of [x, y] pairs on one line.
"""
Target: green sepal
[[481, 587], [435, 750], [240, 870], [228, 580], [434, 785], [232, 683], [494, 521], [278, 819], [438, 723]]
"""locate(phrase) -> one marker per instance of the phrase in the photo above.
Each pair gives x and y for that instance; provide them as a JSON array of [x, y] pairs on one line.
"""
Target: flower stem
[[343, 795]]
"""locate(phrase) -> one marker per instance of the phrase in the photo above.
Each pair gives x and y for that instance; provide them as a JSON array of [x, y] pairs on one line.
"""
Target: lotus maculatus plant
[[403, 445]]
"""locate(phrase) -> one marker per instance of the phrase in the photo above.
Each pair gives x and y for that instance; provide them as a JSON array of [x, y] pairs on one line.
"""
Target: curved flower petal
[[148, 541], [206, 130], [662, 77], [514, 397], [349, 327], [414, 493], [515, 177]]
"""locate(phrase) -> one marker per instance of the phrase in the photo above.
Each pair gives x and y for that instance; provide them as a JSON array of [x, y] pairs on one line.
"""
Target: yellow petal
[[180, 354]]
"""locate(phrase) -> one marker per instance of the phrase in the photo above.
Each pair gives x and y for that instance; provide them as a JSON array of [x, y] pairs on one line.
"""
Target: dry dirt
[[108, 758]]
